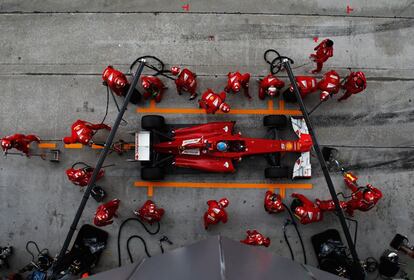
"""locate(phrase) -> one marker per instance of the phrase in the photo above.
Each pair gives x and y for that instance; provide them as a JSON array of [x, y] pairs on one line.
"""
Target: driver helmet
[[272, 90], [6, 144], [224, 107], [224, 202], [175, 70], [222, 146]]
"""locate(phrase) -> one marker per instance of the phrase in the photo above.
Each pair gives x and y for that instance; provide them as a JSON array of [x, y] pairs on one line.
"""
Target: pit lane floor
[[52, 56]]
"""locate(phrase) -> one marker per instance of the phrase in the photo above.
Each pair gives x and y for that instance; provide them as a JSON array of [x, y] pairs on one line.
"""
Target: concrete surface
[[52, 54]]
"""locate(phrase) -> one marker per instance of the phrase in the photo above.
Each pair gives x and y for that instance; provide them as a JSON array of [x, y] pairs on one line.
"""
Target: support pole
[[101, 160], [358, 271]]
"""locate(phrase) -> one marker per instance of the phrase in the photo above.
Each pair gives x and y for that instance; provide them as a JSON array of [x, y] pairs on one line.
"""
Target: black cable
[[30, 252], [356, 228], [287, 240], [158, 71], [277, 62], [143, 242], [123, 121], [120, 231], [107, 105], [297, 231], [81, 162]]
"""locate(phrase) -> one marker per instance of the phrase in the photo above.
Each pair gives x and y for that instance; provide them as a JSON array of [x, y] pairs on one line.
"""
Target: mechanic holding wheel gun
[[83, 131]]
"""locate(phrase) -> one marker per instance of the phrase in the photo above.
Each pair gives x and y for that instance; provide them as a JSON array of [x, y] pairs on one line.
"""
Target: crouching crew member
[[19, 142], [186, 81], [212, 102], [149, 212], [355, 83], [236, 82], [83, 131], [106, 212], [255, 238], [216, 212], [270, 86], [154, 88]]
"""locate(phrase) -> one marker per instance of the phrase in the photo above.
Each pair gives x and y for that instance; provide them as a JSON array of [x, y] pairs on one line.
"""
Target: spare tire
[[151, 122], [276, 172], [275, 121], [152, 174]]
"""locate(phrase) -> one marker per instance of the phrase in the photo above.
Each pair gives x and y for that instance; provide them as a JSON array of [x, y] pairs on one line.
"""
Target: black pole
[[358, 272], [98, 166]]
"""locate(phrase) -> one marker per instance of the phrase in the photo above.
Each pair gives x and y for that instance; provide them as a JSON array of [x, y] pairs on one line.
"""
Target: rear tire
[[275, 121], [276, 172], [152, 174], [151, 122]]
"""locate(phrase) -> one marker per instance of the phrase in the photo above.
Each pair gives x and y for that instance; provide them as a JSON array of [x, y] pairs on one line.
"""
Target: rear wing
[[302, 167], [142, 146]]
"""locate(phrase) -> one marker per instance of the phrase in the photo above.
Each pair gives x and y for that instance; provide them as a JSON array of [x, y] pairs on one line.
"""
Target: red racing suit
[[306, 85], [355, 83], [270, 85], [186, 81], [330, 83], [212, 102], [308, 212], [329, 205], [323, 52], [105, 213], [273, 203], [255, 238], [216, 212], [83, 131], [154, 87], [81, 176], [116, 80], [149, 212], [363, 198], [19, 142], [237, 81]]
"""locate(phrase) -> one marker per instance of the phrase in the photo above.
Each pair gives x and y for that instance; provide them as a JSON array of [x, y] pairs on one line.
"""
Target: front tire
[[152, 174], [276, 172], [152, 122]]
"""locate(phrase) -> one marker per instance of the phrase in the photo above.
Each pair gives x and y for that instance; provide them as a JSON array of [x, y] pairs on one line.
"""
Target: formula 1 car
[[215, 147]]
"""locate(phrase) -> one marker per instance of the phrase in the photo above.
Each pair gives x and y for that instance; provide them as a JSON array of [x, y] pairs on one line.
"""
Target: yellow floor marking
[[269, 111], [47, 146], [73, 146], [220, 185]]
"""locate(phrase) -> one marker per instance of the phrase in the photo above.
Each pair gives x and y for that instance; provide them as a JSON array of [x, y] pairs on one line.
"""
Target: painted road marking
[[219, 185], [73, 146], [152, 108], [47, 146]]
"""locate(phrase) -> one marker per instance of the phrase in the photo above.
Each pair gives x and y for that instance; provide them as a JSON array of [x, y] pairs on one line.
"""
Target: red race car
[[215, 147]]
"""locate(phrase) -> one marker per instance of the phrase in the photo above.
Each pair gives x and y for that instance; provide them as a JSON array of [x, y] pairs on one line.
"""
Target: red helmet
[[224, 107], [175, 70], [6, 144], [144, 82], [224, 202], [324, 96], [272, 90], [235, 86]]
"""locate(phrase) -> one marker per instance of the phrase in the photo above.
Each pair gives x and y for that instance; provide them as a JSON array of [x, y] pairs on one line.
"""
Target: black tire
[[289, 96], [276, 172], [152, 174], [151, 122], [275, 121]]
